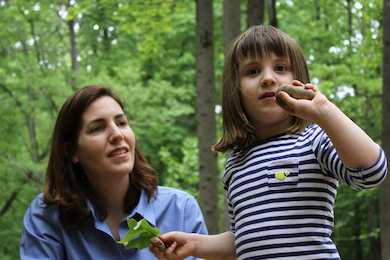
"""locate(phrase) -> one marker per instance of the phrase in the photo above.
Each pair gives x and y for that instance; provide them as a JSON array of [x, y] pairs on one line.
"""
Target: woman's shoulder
[[172, 192], [40, 218], [37, 204], [172, 196], [39, 209]]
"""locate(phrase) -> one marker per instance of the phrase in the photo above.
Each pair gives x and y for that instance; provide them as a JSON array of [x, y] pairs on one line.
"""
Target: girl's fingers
[[308, 85], [159, 254], [297, 83], [170, 252]]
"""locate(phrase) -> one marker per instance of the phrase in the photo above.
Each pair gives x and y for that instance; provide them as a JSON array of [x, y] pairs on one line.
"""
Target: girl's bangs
[[259, 43]]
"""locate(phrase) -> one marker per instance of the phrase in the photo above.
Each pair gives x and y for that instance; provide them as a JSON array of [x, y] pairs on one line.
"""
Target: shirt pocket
[[283, 174]]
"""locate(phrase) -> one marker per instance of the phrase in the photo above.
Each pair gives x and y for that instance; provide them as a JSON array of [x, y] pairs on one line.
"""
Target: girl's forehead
[[261, 43], [257, 57]]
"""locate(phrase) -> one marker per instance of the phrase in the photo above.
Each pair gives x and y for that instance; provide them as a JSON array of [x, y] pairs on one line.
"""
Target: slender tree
[[385, 186], [255, 12], [272, 13], [205, 100], [231, 21], [231, 29]]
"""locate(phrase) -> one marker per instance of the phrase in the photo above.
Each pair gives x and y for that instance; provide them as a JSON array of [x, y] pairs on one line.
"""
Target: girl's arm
[[354, 147], [182, 245]]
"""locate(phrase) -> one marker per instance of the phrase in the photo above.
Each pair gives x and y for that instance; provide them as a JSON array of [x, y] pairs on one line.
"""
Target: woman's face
[[106, 143]]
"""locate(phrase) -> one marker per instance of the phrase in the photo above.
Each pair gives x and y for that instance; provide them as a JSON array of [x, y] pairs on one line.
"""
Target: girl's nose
[[268, 78]]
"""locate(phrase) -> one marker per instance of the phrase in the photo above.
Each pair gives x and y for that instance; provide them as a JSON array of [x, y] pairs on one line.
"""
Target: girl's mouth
[[268, 95]]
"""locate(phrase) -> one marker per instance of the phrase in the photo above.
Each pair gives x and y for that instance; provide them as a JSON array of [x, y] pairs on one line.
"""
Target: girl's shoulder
[[308, 134]]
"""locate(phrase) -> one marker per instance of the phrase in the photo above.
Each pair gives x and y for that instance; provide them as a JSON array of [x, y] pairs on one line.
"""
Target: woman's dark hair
[[66, 186]]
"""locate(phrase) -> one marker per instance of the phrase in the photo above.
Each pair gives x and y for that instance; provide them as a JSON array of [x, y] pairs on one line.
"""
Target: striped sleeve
[[358, 179]]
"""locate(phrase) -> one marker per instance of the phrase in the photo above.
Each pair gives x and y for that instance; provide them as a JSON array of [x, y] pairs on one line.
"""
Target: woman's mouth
[[118, 152]]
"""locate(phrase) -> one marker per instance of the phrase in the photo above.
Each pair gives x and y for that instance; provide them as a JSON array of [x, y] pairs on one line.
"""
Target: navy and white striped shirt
[[281, 193]]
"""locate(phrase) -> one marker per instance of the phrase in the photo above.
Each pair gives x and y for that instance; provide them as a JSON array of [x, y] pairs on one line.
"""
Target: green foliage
[[183, 174], [144, 231], [356, 222], [145, 51]]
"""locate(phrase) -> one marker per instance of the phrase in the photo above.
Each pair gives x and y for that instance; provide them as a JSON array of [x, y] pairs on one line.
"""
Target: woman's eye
[[253, 71], [96, 129], [122, 123]]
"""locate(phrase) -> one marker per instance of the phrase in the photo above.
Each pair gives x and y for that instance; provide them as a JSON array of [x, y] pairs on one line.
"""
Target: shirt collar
[[143, 208]]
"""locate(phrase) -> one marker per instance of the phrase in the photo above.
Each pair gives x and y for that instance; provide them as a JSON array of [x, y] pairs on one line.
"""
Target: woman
[[96, 178]]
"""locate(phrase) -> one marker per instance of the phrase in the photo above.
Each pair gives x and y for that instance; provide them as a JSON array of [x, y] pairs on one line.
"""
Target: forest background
[[147, 51]]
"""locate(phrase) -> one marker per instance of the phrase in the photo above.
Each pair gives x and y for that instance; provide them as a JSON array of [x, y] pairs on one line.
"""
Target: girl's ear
[[73, 157]]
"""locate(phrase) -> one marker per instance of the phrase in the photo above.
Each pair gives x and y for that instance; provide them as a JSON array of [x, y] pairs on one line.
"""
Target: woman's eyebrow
[[97, 120]]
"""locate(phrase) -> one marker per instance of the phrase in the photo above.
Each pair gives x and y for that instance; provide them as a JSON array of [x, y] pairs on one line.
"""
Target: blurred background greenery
[[145, 51]]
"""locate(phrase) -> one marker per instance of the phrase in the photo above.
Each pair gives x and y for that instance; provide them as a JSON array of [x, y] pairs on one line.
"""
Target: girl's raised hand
[[303, 108]]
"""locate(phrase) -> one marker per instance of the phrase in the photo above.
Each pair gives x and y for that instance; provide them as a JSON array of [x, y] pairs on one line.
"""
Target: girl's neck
[[265, 132]]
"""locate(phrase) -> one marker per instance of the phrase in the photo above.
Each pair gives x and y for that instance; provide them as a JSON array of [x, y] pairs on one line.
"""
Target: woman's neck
[[112, 193]]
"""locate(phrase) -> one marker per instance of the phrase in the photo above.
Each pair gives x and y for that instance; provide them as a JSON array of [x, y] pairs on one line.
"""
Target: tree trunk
[[205, 100], [374, 242], [349, 7], [272, 13], [357, 242], [231, 21], [385, 186], [255, 13], [231, 30], [74, 54]]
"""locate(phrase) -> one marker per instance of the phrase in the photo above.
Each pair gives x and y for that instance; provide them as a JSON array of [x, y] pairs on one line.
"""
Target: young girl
[[281, 181]]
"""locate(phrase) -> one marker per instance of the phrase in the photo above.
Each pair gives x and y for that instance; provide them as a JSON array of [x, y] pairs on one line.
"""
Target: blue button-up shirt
[[44, 237]]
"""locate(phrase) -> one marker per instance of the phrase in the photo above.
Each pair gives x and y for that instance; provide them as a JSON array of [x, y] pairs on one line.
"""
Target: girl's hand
[[354, 147], [303, 108], [178, 246]]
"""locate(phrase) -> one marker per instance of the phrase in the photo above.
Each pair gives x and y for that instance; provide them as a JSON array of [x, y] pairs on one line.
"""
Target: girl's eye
[[253, 71], [280, 68]]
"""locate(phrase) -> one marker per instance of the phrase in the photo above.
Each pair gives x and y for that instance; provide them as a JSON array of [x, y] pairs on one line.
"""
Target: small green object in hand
[[141, 228]]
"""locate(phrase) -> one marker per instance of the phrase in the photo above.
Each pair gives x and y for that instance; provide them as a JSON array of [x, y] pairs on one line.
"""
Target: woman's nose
[[115, 135]]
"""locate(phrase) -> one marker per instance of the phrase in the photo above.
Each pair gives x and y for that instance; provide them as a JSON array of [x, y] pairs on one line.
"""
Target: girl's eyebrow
[[248, 62], [281, 59]]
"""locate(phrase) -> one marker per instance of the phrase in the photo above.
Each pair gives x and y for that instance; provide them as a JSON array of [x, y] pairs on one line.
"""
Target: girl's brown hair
[[65, 184], [257, 41]]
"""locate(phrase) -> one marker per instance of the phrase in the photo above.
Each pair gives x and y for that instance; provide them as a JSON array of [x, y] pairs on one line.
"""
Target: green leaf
[[141, 228]]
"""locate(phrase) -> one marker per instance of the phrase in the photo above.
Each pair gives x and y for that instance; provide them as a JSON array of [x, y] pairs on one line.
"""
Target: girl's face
[[106, 143], [259, 79]]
